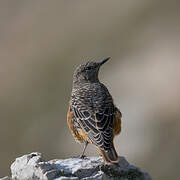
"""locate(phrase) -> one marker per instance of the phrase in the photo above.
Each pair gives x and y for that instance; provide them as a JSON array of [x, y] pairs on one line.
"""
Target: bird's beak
[[103, 61]]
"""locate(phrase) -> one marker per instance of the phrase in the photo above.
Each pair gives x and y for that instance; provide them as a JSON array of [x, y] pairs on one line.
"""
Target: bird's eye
[[89, 68]]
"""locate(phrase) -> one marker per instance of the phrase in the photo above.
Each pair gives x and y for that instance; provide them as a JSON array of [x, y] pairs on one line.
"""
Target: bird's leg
[[84, 148]]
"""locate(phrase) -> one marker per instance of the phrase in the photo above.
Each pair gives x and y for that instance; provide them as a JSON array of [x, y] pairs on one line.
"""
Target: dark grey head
[[88, 71]]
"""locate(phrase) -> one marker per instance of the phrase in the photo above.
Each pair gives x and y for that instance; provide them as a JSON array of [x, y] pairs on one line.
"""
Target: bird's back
[[92, 96], [94, 109]]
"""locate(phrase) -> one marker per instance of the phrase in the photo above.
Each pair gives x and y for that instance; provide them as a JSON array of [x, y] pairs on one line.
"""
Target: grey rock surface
[[6, 178], [33, 167]]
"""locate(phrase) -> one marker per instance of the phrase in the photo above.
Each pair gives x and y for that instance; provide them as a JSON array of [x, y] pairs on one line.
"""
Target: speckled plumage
[[94, 113]]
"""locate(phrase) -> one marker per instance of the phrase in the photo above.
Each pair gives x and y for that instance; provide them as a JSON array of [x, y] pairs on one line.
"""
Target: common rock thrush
[[92, 116]]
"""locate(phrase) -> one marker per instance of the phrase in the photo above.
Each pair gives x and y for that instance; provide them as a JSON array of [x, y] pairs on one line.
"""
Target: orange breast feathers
[[117, 123], [79, 134]]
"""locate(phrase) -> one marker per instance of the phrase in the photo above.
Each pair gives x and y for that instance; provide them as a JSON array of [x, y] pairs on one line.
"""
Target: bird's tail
[[110, 156]]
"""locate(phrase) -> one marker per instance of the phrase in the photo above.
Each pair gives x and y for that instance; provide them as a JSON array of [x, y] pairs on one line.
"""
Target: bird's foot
[[80, 156]]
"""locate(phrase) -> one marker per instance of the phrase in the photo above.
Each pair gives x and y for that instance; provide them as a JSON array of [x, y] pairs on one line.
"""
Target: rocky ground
[[33, 167]]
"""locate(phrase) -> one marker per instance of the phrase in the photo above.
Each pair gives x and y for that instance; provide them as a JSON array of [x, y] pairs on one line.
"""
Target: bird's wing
[[98, 123]]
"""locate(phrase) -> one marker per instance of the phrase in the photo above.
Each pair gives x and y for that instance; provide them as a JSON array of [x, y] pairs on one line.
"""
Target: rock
[[6, 178], [33, 167]]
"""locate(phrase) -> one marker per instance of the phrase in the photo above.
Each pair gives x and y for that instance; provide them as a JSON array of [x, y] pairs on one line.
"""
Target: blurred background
[[41, 44]]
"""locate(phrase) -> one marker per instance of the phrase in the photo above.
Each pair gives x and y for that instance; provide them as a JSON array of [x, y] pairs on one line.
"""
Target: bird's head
[[88, 71]]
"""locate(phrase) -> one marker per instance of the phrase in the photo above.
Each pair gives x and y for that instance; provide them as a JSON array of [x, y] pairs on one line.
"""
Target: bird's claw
[[80, 156]]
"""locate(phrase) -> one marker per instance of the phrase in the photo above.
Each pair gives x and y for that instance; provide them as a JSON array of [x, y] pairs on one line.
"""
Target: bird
[[92, 115]]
